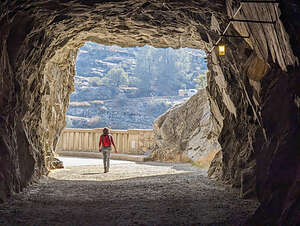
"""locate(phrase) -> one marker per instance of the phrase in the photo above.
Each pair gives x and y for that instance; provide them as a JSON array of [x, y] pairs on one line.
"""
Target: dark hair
[[105, 131]]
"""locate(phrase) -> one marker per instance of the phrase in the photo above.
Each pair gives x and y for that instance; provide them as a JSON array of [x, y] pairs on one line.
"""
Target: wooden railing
[[133, 141]]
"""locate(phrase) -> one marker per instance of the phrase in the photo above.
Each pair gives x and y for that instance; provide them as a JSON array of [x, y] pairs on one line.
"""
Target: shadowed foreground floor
[[130, 194]]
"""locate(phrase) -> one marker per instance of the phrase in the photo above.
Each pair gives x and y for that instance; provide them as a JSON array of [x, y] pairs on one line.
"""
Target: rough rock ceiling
[[125, 23]]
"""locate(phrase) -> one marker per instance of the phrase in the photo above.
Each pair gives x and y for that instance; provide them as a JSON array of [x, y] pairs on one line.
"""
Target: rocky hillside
[[94, 60], [137, 72], [119, 113], [122, 87]]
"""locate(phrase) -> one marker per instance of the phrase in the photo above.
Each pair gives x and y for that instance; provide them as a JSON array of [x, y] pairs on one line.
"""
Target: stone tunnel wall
[[253, 90], [255, 99]]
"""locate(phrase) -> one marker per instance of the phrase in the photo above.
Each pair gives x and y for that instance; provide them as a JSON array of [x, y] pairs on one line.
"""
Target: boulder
[[186, 132], [56, 164]]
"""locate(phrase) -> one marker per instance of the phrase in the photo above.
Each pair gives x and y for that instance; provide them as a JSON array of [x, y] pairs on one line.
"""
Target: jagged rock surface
[[185, 132], [259, 120], [253, 90]]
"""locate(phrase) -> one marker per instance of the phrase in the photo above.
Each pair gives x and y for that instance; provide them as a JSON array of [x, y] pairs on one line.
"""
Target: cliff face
[[185, 132], [253, 91]]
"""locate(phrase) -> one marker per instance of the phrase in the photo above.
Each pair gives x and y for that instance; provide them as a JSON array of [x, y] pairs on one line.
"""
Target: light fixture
[[221, 49]]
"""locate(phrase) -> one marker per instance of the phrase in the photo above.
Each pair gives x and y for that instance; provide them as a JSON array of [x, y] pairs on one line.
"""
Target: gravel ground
[[131, 193]]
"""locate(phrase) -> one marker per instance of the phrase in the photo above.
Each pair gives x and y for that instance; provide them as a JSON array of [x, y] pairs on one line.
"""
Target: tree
[[69, 123], [116, 77], [201, 80], [144, 69]]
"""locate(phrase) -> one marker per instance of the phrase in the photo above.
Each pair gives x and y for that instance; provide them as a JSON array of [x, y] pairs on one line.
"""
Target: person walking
[[106, 140]]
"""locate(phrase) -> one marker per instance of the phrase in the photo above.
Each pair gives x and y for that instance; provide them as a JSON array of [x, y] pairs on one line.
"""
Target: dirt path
[[130, 194]]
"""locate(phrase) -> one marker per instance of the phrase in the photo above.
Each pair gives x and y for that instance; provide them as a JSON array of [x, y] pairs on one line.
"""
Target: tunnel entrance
[[252, 89], [135, 90]]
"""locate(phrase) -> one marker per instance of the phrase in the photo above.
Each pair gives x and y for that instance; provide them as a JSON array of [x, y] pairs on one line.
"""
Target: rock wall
[[34, 99], [185, 132], [256, 104], [253, 90]]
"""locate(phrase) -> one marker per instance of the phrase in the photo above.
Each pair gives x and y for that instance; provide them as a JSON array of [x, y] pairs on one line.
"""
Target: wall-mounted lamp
[[222, 49]]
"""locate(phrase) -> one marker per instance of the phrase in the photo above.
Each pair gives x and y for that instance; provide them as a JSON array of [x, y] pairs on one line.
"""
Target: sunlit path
[[73, 161], [130, 194]]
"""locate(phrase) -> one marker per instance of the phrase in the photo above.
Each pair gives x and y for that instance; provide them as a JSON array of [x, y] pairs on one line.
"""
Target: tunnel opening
[[39, 48], [128, 88], [134, 91]]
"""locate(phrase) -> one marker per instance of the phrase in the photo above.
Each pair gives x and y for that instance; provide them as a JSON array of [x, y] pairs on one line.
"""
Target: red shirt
[[106, 140]]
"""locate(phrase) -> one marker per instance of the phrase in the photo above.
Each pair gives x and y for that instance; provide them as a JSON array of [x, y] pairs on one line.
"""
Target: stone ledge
[[115, 156]]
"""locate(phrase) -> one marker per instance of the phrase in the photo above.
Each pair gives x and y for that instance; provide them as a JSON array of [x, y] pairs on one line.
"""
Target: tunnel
[[253, 89]]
